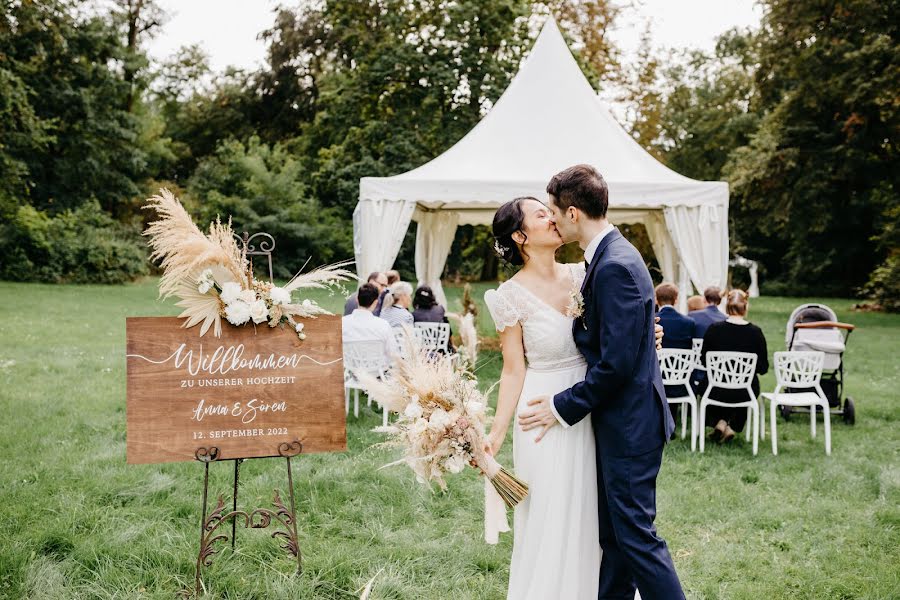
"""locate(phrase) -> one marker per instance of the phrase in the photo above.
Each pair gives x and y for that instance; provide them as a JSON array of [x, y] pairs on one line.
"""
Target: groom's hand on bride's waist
[[539, 415]]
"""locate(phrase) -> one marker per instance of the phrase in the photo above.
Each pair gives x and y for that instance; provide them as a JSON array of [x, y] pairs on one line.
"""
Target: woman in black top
[[427, 310], [735, 334], [425, 307]]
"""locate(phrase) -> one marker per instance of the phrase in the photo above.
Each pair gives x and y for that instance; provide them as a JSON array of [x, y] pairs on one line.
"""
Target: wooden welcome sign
[[245, 392]]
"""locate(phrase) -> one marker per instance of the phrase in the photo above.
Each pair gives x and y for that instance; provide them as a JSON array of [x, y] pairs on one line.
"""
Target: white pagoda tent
[[549, 118]]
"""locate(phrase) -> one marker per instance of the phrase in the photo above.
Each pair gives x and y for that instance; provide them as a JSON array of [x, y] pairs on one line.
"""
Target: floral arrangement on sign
[[441, 422], [213, 279]]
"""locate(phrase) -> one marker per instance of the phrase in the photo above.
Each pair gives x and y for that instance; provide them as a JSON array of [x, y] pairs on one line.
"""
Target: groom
[[622, 390]]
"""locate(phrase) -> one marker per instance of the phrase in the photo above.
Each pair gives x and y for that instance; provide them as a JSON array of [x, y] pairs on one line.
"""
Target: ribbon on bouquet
[[495, 520]]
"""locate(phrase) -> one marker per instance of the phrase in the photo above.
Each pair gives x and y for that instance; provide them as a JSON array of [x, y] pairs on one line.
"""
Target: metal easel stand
[[285, 517]]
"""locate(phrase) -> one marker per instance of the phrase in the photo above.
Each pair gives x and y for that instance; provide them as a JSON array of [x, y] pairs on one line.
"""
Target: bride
[[556, 548]]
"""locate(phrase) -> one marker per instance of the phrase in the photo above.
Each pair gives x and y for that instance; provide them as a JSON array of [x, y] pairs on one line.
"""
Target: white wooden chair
[[731, 371], [676, 367], [365, 356], [799, 370], [432, 336], [697, 345], [401, 344]]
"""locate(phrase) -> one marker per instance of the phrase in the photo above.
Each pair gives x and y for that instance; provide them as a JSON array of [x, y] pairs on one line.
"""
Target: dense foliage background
[[800, 117]]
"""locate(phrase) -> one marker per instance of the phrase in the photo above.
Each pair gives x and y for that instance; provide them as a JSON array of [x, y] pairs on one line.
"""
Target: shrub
[[883, 286], [84, 245], [260, 187]]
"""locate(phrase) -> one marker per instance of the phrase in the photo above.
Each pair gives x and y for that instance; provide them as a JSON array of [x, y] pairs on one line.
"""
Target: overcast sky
[[227, 29]]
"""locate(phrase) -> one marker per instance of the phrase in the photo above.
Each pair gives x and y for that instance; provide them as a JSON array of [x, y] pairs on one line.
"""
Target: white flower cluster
[[264, 303], [243, 305]]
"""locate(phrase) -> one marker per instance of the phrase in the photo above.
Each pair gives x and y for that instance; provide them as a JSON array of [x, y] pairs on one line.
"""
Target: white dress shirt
[[361, 325], [589, 253], [591, 249]]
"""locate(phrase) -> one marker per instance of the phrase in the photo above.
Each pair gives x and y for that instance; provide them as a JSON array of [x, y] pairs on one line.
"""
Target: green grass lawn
[[79, 523]]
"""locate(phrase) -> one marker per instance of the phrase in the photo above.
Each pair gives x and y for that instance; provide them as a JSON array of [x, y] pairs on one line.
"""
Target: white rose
[[279, 296], [248, 296], [455, 463], [439, 420], [418, 427], [258, 311], [413, 410], [473, 407], [204, 286], [206, 275], [230, 292], [238, 312]]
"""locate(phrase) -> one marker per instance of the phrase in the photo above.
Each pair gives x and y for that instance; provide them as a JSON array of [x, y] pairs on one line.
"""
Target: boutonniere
[[575, 308]]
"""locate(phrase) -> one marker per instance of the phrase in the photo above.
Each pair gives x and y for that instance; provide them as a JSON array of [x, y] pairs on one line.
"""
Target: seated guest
[[425, 307], [735, 334], [391, 277], [696, 303], [679, 329], [704, 317], [427, 310], [379, 280], [396, 303], [710, 313], [362, 325]]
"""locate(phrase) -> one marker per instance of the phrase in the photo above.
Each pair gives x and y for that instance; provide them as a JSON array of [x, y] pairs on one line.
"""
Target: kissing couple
[[579, 340]]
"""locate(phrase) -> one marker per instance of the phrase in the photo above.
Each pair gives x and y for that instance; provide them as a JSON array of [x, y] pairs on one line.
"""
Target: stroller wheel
[[849, 412], [785, 412]]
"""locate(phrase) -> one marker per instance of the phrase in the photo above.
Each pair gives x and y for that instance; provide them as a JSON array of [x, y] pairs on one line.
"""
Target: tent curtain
[[434, 237], [662, 244], [700, 235], [379, 227]]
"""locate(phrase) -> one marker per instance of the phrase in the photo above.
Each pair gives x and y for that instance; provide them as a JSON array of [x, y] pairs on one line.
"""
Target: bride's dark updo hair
[[509, 219]]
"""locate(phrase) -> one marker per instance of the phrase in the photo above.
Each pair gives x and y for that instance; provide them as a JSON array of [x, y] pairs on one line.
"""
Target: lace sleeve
[[502, 311]]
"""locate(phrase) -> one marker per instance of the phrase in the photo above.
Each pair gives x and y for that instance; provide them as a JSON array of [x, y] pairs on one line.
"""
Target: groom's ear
[[572, 213]]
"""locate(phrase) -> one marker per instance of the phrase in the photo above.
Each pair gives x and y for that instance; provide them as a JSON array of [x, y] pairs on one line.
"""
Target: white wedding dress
[[556, 548]]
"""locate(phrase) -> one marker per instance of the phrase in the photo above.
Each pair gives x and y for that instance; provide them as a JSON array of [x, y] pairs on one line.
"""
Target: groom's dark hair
[[583, 187]]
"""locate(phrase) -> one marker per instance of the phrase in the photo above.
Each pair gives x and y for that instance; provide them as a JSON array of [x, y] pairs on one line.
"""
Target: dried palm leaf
[[184, 250], [322, 277], [199, 308]]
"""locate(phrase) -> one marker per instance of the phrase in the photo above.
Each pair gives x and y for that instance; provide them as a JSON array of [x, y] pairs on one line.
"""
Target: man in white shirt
[[363, 325]]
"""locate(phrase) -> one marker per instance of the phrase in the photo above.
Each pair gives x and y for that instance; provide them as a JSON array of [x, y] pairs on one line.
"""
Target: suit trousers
[[633, 554]]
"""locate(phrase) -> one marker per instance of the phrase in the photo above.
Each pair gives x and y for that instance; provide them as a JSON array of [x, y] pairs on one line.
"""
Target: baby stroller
[[815, 327]]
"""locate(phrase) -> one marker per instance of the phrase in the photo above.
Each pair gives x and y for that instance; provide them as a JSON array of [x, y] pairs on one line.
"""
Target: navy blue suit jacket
[[703, 319], [678, 329], [622, 390]]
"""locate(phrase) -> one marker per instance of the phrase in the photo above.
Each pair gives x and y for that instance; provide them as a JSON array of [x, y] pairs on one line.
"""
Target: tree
[[807, 188], [711, 107], [140, 19], [644, 97], [260, 187], [71, 137]]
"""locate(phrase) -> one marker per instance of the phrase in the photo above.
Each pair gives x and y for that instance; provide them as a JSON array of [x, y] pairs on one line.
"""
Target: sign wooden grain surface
[[244, 392]]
